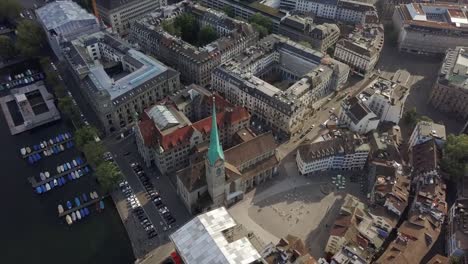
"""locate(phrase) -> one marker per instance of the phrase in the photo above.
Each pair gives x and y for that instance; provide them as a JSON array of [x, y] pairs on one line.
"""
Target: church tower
[[214, 164]]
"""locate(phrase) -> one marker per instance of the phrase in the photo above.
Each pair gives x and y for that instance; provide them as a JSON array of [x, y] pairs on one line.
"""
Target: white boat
[[42, 145], [62, 147], [74, 163], [28, 150], [73, 216], [95, 195], [55, 182], [42, 176], [47, 186], [23, 151], [78, 215], [58, 169], [45, 153], [91, 195], [51, 142], [60, 208], [73, 175], [77, 175], [68, 165], [47, 174], [45, 143], [69, 220]]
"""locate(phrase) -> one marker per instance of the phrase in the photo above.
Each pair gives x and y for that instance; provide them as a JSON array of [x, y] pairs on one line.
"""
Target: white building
[[208, 238], [351, 11], [424, 131], [118, 14], [64, 21], [357, 116], [341, 153], [361, 48]]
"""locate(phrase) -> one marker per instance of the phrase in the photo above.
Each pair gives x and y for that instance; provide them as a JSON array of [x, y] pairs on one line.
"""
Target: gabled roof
[[56, 14]]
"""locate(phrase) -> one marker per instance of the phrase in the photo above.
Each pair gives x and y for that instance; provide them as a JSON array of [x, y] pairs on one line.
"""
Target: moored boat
[[86, 210], [42, 176], [77, 201], [68, 219], [47, 174], [43, 188], [74, 163], [62, 148], [69, 205], [78, 215], [28, 150], [38, 190], [23, 151], [73, 216], [47, 186], [101, 204], [85, 197], [73, 175], [60, 208], [55, 183], [82, 212]]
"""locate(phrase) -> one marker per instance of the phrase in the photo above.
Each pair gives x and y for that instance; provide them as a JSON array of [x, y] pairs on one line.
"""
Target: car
[[127, 153], [313, 125], [124, 183], [152, 235], [171, 221], [150, 227], [134, 164]]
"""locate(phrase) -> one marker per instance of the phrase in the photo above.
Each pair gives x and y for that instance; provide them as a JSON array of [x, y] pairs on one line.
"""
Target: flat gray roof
[[56, 14]]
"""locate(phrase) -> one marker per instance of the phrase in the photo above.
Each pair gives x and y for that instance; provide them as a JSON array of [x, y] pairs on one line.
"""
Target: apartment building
[[194, 63], [457, 230], [361, 48], [64, 21], [450, 92], [346, 152], [346, 11], [118, 81], [279, 81], [167, 139], [424, 131], [119, 14], [357, 116], [430, 28], [320, 37]]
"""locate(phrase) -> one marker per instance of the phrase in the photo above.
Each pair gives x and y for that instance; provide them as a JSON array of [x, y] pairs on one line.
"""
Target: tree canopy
[[30, 38], [94, 152], [206, 36], [455, 156], [85, 135], [7, 49], [188, 29], [108, 175], [262, 24], [9, 10], [228, 10]]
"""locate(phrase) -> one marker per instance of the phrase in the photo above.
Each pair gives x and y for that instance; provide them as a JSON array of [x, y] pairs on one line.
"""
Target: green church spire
[[215, 150]]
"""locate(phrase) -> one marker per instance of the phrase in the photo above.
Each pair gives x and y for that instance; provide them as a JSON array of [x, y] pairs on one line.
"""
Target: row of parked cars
[[133, 202], [153, 195]]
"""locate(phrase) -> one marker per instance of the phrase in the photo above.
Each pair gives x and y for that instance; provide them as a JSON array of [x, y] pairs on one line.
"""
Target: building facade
[[320, 37], [450, 92], [64, 21], [118, 15], [430, 29], [194, 63], [424, 131], [361, 48], [223, 177], [357, 116], [341, 153], [279, 81], [118, 82]]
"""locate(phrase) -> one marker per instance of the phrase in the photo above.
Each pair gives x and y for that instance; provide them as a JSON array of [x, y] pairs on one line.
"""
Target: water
[[30, 229]]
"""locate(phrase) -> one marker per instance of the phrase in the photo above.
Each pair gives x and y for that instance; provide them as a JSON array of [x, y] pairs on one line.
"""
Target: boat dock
[[46, 148], [83, 205], [36, 183]]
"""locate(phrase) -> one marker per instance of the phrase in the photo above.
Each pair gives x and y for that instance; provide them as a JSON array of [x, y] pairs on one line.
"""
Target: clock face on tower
[[218, 172]]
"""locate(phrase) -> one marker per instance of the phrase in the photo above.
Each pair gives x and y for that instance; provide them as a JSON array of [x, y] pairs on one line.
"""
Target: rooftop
[[435, 16], [203, 240], [454, 70], [393, 91], [366, 39], [56, 14], [426, 128]]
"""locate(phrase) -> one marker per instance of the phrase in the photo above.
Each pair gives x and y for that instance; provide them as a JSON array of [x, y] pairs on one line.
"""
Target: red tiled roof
[[147, 129]]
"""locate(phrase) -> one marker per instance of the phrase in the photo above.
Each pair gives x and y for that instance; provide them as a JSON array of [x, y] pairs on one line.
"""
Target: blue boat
[[69, 205], [77, 201], [86, 210], [59, 182], [82, 212], [63, 180], [85, 197], [69, 177], [34, 147], [30, 160], [38, 190], [43, 188], [101, 204], [57, 140], [71, 144]]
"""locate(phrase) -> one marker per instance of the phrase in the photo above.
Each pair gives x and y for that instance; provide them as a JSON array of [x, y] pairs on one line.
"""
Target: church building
[[224, 176]]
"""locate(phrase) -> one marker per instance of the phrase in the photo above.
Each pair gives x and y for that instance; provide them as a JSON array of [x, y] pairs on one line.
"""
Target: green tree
[[65, 105], [455, 156], [9, 10], [108, 175], [425, 118], [411, 117], [30, 38], [228, 10], [85, 135], [94, 152], [206, 36], [188, 27], [262, 31], [262, 20], [7, 49]]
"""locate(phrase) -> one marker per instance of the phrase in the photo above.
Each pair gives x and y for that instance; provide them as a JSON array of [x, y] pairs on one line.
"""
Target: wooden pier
[[83, 205], [46, 148], [36, 183]]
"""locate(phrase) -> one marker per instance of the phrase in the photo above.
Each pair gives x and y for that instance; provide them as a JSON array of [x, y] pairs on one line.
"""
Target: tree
[[188, 27], [228, 10], [425, 118], [7, 50], [9, 10], [85, 135], [262, 20], [206, 36], [108, 175], [30, 38], [94, 152], [262, 31], [66, 105], [411, 117], [455, 156]]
